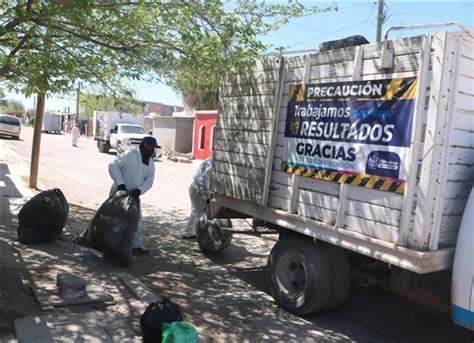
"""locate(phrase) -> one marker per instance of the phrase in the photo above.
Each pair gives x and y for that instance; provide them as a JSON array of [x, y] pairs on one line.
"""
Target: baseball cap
[[150, 141]]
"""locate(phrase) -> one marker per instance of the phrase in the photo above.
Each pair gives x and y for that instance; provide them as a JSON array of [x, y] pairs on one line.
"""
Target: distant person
[[76, 133], [134, 171], [199, 193]]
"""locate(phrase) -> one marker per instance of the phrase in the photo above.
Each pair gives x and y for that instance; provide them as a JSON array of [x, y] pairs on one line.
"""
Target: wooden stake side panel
[[244, 135], [370, 212], [460, 154], [243, 131]]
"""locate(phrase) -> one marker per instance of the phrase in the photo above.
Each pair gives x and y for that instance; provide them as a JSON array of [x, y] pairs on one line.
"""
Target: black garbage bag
[[112, 229], [42, 218], [343, 43], [210, 234], [155, 315]]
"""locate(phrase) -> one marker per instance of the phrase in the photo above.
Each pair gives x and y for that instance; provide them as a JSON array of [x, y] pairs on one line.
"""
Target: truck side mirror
[[150, 132], [113, 131]]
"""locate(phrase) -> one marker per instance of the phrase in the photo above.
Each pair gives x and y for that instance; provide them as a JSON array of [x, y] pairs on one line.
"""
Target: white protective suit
[[128, 169], [199, 193], [76, 132]]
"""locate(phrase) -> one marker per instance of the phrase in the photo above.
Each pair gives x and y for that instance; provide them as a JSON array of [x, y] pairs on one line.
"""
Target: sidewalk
[[26, 268], [13, 194]]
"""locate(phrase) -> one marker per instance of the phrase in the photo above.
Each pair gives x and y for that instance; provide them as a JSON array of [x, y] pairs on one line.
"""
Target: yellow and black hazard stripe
[[296, 93], [361, 180]]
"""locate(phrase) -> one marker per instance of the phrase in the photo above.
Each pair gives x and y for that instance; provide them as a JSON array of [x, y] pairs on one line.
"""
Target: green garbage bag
[[178, 332]]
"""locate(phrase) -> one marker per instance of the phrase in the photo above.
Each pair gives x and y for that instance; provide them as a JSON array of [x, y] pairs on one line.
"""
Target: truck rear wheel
[[341, 275], [103, 146], [299, 275]]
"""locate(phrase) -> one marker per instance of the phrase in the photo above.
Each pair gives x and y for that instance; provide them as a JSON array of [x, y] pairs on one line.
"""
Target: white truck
[[51, 123], [363, 159], [119, 131]]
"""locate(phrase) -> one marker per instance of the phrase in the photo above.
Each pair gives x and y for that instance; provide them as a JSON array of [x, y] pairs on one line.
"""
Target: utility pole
[[380, 20]]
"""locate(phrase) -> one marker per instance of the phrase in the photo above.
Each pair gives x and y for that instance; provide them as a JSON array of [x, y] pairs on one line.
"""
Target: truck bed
[[414, 227]]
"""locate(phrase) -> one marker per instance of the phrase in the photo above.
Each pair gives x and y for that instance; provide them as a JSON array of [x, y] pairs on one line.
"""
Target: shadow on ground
[[225, 296]]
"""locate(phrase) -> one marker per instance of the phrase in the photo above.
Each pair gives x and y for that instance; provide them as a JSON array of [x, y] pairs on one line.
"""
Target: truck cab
[[125, 136], [119, 131]]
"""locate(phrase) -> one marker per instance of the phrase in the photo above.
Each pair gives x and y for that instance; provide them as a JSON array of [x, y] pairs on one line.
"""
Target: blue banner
[[357, 128]]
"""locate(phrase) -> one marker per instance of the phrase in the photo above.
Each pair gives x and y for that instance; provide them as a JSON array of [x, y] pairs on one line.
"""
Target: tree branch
[[19, 45], [9, 26], [86, 67], [87, 38], [16, 21]]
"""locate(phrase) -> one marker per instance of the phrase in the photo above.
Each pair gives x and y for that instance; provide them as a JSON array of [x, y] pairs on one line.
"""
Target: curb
[[17, 170]]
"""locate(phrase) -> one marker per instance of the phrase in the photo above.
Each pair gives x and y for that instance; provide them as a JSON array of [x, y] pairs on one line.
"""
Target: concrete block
[[71, 286]]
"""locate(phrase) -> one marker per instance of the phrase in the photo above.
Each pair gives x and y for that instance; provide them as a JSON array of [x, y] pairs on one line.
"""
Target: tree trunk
[[35, 151]]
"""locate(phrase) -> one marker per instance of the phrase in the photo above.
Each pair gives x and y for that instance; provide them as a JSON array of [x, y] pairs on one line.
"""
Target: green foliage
[[91, 102], [50, 46], [11, 106]]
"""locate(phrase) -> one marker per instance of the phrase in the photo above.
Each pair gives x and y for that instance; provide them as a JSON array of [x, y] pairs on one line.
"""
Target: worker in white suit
[[76, 133], [199, 193], [134, 171]]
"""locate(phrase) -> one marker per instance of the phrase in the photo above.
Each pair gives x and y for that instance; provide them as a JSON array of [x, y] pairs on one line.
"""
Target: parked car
[[10, 126]]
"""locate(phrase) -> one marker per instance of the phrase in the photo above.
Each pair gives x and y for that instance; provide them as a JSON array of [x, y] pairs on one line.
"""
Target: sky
[[306, 33]]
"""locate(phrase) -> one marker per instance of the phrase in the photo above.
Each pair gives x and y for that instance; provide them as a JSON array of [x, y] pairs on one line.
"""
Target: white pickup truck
[[119, 131], [362, 158], [124, 136]]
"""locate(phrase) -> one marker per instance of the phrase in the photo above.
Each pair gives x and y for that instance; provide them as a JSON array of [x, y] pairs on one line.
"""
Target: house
[[160, 109], [204, 133]]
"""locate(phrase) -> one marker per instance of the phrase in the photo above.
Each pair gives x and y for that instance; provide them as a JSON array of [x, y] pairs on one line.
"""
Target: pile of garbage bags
[[42, 218], [212, 235], [112, 229], [163, 322]]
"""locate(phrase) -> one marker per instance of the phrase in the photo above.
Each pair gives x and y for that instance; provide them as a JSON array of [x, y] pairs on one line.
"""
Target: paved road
[[224, 296]]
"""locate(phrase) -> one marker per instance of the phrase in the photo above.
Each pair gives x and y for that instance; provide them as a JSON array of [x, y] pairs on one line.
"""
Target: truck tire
[[299, 274], [210, 236], [103, 146], [341, 275]]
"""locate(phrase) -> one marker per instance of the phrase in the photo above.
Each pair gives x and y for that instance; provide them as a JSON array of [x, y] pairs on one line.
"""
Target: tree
[[12, 106], [92, 102], [49, 46], [3, 100]]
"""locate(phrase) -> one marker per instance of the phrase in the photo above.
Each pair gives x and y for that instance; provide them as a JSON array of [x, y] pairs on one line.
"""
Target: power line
[[362, 6], [365, 5], [285, 35], [435, 12], [400, 20], [403, 23], [363, 26], [312, 39]]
